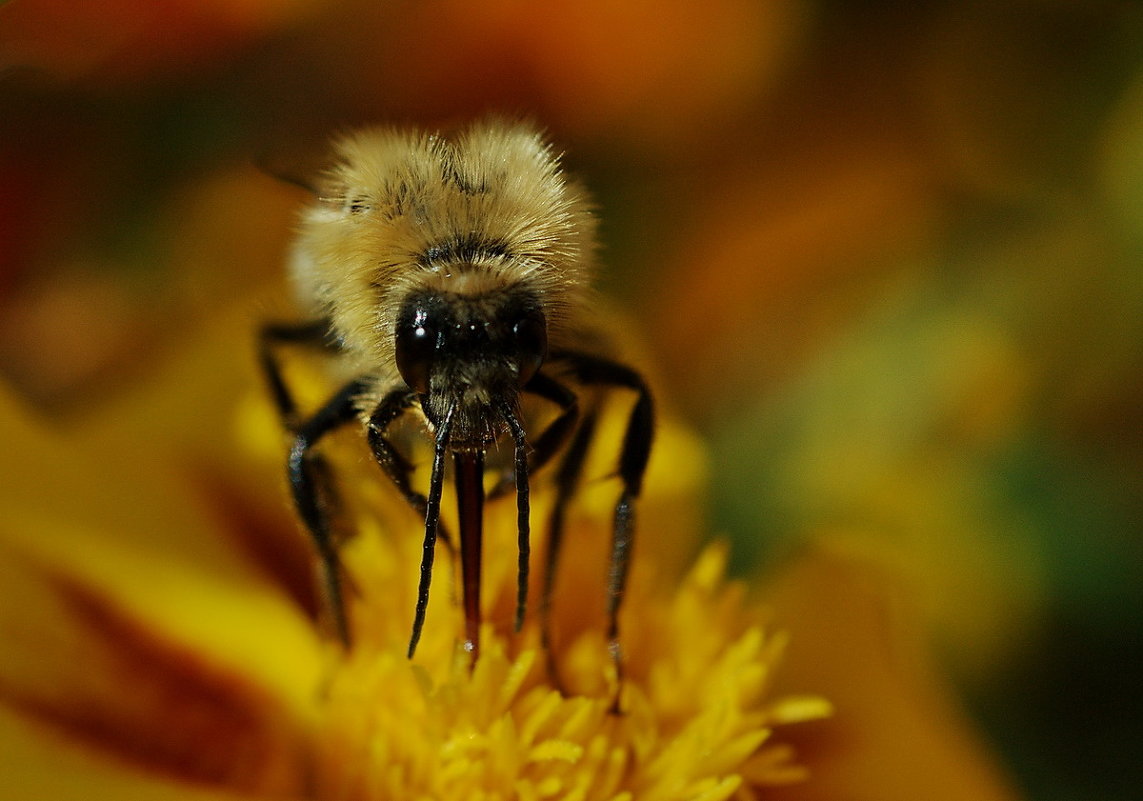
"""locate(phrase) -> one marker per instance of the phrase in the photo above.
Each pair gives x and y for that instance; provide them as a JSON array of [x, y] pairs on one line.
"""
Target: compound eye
[[416, 350], [531, 335]]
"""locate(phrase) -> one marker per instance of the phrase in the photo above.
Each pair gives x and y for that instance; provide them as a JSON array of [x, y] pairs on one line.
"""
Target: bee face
[[471, 353], [480, 230]]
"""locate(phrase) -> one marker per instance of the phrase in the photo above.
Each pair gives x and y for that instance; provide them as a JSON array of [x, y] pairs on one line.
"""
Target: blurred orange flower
[[133, 41], [650, 72]]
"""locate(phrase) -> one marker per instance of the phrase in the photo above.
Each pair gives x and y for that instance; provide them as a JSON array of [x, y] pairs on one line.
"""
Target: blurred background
[[886, 258]]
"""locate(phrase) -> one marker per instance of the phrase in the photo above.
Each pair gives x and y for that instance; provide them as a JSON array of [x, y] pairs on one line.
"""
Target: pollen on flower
[[697, 719]]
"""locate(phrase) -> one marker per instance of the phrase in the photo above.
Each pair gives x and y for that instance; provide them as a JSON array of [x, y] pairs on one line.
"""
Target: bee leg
[[393, 463], [636, 450], [523, 512], [311, 486], [549, 442], [546, 446], [567, 480], [312, 333], [432, 520]]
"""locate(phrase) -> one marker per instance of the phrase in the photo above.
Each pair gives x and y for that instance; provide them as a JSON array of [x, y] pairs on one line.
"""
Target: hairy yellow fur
[[483, 209]]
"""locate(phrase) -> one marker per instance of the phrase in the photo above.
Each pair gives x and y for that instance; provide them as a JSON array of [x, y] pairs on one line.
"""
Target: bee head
[[471, 353]]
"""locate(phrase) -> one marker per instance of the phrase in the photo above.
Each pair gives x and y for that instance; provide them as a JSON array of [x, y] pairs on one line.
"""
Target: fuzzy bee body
[[448, 276]]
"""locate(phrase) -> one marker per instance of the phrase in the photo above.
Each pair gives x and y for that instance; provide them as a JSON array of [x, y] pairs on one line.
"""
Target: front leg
[[546, 446], [393, 463], [432, 520], [552, 439], [399, 470], [312, 333], [312, 488]]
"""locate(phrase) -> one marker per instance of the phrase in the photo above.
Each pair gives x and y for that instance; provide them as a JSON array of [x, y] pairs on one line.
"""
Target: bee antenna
[[285, 176]]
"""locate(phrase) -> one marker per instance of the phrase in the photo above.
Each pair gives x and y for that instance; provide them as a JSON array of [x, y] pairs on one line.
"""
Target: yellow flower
[[697, 718], [162, 621]]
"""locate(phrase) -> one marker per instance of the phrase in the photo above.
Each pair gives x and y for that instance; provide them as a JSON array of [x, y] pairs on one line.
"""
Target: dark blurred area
[[887, 258]]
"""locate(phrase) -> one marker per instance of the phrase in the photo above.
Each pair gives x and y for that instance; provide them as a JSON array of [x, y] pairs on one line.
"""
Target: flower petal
[[896, 732], [38, 763], [140, 696]]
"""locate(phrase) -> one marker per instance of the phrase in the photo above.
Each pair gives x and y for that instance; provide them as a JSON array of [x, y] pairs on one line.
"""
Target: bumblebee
[[447, 276]]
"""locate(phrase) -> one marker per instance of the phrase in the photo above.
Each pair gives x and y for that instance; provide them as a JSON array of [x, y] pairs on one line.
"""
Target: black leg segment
[[312, 488], [312, 333], [432, 520], [393, 463], [523, 512], [567, 481], [594, 370], [553, 437]]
